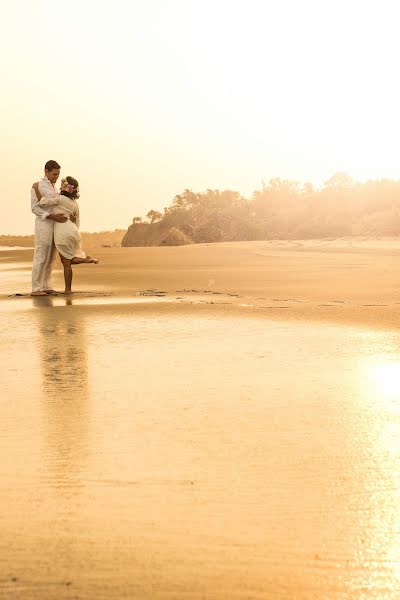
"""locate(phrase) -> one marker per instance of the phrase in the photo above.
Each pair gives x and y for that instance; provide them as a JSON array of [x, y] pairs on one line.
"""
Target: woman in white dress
[[66, 235]]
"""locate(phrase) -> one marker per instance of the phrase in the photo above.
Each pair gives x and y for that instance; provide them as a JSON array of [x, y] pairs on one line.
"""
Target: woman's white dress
[[66, 235]]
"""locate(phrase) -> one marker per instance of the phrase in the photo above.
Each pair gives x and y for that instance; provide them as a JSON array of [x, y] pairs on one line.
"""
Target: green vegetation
[[280, 210]]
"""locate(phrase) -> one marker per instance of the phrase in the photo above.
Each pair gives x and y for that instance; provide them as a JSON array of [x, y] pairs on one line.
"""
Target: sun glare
[[385, 379]]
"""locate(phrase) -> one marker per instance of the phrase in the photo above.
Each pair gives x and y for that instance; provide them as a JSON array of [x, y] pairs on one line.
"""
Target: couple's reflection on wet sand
[[65, 399]]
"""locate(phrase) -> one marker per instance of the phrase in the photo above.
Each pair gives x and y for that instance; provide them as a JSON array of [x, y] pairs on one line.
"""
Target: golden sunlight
[[385, 378], [247, 91], [199, 300]]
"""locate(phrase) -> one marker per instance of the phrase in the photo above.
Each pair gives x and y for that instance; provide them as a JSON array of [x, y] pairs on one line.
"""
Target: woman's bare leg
[[77, 260], [92, 259], [67, 274]]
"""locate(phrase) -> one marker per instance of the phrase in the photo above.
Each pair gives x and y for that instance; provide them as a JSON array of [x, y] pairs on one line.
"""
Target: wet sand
[[162, 437]]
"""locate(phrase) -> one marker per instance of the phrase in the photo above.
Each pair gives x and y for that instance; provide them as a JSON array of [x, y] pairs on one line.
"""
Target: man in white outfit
[[45, 250]]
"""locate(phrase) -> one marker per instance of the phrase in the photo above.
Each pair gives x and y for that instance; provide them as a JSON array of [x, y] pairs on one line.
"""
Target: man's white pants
[[45, 253]]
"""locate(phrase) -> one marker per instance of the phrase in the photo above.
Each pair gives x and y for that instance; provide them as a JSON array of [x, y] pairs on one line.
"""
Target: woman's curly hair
[[70, 187]]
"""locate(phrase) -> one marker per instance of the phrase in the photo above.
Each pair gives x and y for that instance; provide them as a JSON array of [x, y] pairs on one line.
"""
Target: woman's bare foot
[[92, 260], [38, 293]]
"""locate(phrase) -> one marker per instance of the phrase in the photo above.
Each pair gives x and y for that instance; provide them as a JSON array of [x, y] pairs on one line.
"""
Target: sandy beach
[[343, 280], [214, 422]]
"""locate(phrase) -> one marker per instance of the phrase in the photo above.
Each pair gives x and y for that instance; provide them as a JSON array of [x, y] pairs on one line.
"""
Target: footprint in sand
[[285, 300], [273, 306], [374, 305]]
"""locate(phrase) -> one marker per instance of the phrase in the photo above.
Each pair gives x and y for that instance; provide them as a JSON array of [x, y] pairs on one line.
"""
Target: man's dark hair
[[51, 165]]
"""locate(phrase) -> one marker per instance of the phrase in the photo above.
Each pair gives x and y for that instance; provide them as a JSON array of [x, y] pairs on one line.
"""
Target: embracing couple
[[56, 229]]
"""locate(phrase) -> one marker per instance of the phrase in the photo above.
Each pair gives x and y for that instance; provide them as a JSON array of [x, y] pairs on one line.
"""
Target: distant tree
[[185, 201], [307, 189], [339, 181], [154, 215], [279, 195], [136, 220]]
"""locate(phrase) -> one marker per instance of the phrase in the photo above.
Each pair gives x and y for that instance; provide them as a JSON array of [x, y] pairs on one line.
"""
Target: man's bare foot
[[38, 293], [68, 292]]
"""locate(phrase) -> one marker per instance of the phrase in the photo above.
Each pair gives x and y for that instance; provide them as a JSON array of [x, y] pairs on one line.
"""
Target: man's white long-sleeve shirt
[[44, 227], [46, 189]]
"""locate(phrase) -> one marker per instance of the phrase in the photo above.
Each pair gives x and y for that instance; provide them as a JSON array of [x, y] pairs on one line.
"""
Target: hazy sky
[[141, 99]]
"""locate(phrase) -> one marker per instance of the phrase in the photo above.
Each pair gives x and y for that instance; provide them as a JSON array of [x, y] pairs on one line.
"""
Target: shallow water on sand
[[163, 455]]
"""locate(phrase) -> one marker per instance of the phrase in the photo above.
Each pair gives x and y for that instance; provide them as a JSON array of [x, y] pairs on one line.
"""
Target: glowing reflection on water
[[232, 457]]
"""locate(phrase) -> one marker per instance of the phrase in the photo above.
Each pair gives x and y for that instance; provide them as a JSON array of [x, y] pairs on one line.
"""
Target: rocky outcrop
[[154, 234], [175, 237]]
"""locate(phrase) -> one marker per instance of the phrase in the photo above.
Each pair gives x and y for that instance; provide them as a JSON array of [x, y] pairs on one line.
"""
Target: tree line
[[281, 209]]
